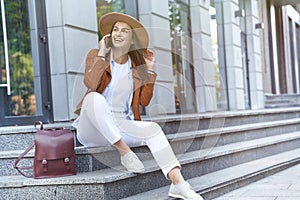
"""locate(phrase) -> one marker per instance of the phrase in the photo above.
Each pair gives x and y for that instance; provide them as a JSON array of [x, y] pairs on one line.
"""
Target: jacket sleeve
[[147, 89], [94, 68]]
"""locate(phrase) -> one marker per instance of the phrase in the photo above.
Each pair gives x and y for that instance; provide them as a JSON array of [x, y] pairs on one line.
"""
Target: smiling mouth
[[118, 40]]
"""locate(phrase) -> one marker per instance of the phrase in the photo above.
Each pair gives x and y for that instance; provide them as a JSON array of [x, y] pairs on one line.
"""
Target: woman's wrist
[[151, 71], [102, 57]]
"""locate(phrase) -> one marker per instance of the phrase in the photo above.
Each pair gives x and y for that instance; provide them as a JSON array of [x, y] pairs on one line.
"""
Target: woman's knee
[[95, 96], [93, 99], [155, 128]]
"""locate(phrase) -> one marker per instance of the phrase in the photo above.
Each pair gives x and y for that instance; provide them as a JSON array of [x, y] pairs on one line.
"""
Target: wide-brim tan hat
[[108, 20]]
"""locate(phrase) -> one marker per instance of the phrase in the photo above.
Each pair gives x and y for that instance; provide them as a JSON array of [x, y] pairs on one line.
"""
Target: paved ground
[[284, 185]]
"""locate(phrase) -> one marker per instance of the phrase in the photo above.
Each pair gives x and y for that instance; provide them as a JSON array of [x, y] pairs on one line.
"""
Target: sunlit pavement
[[284, 185]]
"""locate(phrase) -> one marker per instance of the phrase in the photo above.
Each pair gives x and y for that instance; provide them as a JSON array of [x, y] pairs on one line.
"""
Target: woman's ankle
[[122, 153], [175, 176], [122, 147]]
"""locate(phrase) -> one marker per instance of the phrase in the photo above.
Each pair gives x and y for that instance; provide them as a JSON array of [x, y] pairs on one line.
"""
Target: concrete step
[[220, 182], [91, 159], [116, 184], [282, 101], [212, 158], [192, 122], [281, 105], [291, 97], [19, 138], [206, 144]]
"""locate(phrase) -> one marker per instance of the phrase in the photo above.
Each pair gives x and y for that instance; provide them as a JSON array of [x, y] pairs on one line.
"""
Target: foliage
[[174, 17], [20, 60], [175, 27], [106, 6]]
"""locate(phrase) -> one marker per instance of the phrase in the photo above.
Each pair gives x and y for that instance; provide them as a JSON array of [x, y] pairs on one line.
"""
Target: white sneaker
[[132, 163], [183, 190]]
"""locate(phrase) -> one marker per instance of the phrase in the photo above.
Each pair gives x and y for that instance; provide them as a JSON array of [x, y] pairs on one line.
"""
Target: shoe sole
[[136, 171], [175, 196]]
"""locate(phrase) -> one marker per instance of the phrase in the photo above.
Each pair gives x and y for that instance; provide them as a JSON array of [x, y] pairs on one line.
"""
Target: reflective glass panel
[[22, 100]]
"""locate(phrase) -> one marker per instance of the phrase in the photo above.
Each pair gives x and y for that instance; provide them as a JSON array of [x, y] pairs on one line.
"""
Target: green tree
[[20, 59], [106, 6]]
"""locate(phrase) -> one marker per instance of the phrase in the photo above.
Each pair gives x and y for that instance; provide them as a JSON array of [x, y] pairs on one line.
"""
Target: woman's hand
[[149, 59], [103, 47]]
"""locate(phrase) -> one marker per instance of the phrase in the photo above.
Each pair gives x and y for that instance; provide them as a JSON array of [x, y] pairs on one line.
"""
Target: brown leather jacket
[[98, 75]]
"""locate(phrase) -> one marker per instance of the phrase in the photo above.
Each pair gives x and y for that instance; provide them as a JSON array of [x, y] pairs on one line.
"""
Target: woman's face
[[121, 36]]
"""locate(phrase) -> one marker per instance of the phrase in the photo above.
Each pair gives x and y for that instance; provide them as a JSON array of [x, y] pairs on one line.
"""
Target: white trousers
[[98, 126]]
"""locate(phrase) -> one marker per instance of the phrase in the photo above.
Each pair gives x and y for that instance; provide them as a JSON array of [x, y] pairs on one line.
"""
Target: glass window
[[215, 48], [17, 34], [218, 55], [179, 16], [293, 63], [245, 59], [298, 49], [218, 50]]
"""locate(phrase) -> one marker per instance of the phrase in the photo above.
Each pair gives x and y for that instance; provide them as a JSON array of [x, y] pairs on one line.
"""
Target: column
[[72, 32]]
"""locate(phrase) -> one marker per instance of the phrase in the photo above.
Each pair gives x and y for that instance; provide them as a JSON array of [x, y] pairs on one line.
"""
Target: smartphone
[[108, 42]]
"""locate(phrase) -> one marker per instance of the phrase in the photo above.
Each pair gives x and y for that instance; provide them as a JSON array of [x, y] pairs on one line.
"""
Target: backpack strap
[[25, 167]]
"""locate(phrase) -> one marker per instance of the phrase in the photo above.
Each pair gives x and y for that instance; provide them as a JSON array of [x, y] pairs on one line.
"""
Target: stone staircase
[[282, 100], [219, 152]]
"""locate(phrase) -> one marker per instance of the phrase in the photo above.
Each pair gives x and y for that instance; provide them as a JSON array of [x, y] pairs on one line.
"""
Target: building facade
[[211, 55]]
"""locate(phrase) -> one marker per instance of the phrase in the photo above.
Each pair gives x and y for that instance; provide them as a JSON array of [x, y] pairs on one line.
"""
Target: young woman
[[120, 77]]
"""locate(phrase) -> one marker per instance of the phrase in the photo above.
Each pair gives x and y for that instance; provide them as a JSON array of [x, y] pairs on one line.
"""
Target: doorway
[[25, 93]]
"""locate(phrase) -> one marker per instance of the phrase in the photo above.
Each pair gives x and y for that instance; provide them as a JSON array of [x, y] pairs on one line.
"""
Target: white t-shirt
[[119, 91]]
